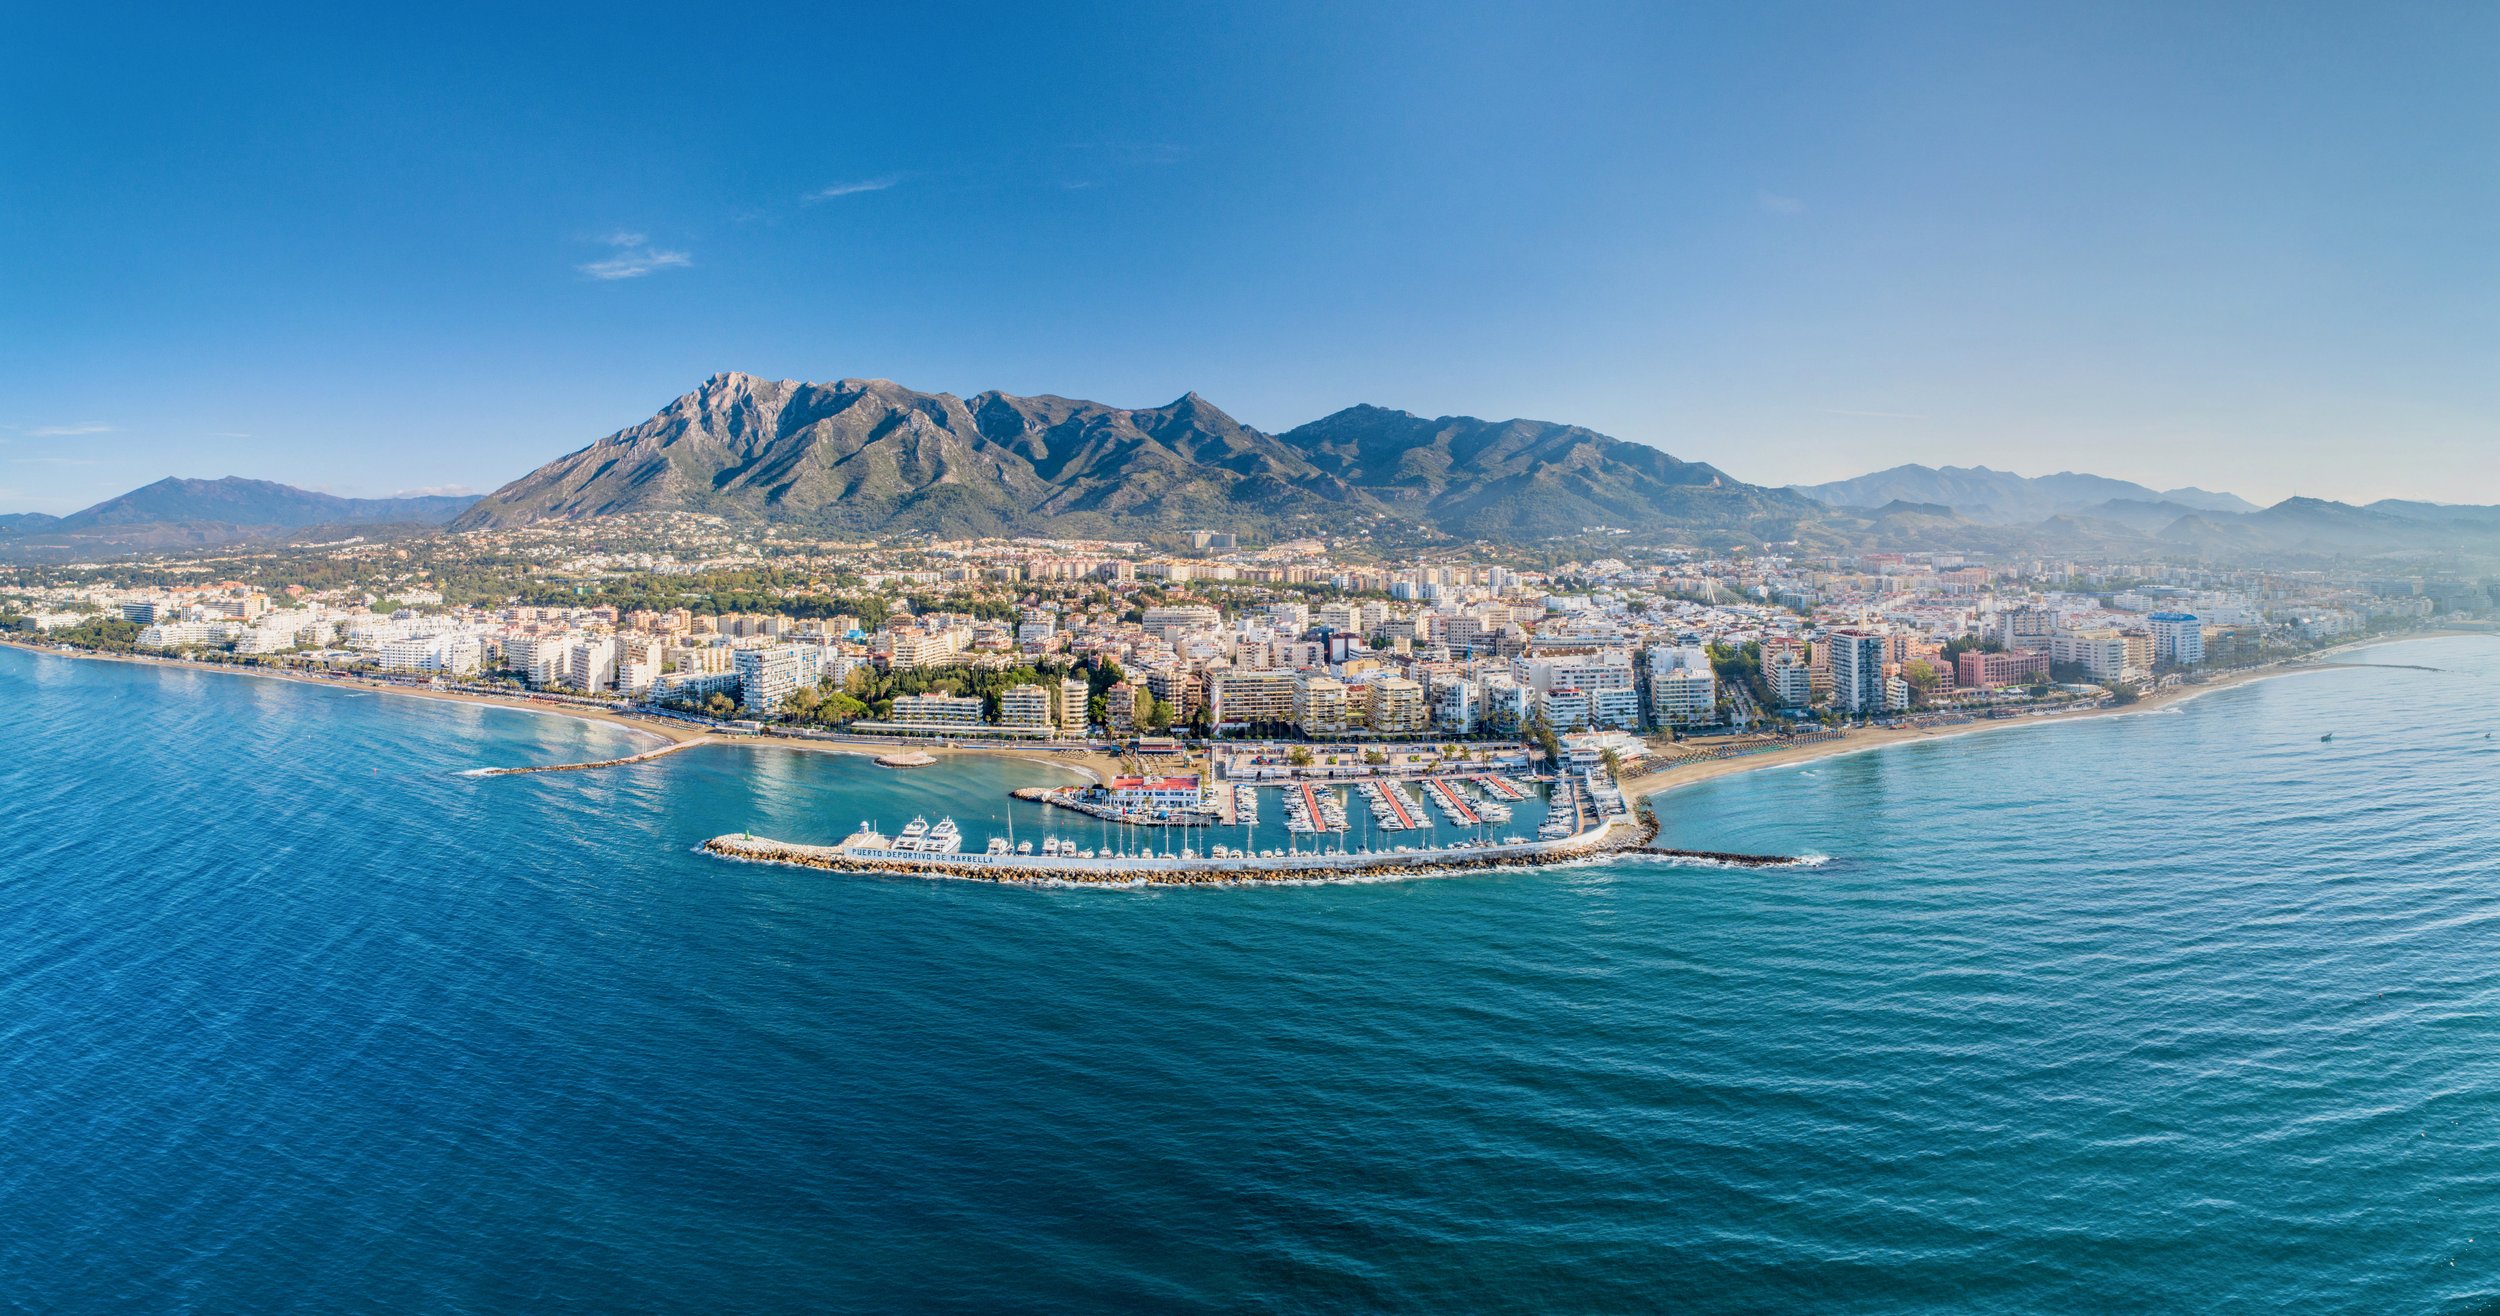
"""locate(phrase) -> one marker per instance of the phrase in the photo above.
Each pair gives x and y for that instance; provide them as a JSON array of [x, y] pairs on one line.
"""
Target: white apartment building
[[1025, 707], [2178, 638], [1398, 707], [939, 710], [590, 664], [1603, 675], [1857, 667], [1319, 705], [1454, 704], [1683, 689], [451, 654], [1172, 621], [1791, 682], [2101, 653], [1074, 695], [767, 677]]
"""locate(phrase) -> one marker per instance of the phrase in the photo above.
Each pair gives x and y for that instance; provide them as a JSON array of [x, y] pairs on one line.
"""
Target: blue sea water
[[2187, 1012]]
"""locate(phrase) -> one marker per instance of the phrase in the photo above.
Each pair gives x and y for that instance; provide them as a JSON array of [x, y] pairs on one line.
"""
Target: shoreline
[[1650, 785], [1101, 766], [1091, 763]]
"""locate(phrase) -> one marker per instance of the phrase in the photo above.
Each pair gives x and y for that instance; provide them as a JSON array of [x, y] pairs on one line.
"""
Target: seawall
[[1621, 835]]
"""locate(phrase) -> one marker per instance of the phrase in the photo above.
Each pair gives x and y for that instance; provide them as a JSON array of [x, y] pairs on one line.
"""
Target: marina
[[868, 851], [1362, 822]]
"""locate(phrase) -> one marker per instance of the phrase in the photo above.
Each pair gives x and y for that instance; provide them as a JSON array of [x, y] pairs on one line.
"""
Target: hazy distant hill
[[2003, 498], [177, 513], [872, 455]]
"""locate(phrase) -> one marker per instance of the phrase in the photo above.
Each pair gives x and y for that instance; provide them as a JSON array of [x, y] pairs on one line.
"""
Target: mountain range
[[177, 513], [872, 455], [869, 456], [2004, 498]]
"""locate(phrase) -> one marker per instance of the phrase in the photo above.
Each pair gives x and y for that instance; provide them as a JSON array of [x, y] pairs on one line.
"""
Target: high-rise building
[[2101, 652], [1792, 686], [1024, 707], [2027, 628], [1683, 688], [1319, 705], [1074, 696], [1857, 666], [1246, 698], [1398, 708], [2178, 638], [766, 677]]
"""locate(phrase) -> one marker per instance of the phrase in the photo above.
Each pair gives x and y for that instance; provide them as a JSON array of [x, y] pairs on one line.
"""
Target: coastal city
[[848, 659], [1435, 687]]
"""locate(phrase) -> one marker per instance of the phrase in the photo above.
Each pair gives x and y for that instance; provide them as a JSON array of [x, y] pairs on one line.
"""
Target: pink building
[[1993, 669]]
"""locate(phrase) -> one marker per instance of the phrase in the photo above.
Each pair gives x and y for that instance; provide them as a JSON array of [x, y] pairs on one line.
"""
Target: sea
[[2194, 1010]]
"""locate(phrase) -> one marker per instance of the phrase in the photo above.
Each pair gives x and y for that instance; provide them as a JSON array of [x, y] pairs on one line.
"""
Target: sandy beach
[[1678, 776], [1094, 763], [1102, 765]]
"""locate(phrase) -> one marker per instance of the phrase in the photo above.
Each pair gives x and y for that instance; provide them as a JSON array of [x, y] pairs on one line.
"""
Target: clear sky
[[376, 248]]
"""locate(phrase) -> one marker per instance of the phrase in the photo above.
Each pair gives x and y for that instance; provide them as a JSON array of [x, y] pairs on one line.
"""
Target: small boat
[[1024, 847], [2327, 737], [998, 845]]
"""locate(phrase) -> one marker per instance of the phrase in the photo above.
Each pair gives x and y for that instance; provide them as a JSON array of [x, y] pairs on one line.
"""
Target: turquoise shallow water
[[2183, 1012]]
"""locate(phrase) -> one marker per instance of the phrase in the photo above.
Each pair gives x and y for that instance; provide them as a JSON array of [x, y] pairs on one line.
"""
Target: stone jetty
[[1620, 836]]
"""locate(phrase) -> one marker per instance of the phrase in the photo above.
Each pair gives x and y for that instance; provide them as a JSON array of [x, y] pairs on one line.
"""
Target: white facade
[[767, 677], [2178, 638], [1026, 707], [938, 710]]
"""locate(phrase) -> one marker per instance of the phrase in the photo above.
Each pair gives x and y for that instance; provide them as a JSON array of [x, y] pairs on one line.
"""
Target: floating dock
[[1451, 801]]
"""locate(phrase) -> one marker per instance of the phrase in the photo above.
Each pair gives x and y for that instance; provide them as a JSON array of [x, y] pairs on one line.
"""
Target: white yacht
[[943, 838], [914, 833]]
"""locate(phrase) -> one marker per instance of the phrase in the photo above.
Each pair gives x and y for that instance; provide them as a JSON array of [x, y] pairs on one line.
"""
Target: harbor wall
[[1619, 835]]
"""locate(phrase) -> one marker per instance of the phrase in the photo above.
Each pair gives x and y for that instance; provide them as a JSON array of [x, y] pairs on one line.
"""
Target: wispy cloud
[[1776, 204], [436, 491], [852, 188], [1155, 155], [67, 431], [1879, 415], [55, 461], [228, 434], [633, 257]]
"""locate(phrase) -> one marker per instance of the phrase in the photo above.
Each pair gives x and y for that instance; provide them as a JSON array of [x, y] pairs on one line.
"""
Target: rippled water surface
[[2187, 1011]]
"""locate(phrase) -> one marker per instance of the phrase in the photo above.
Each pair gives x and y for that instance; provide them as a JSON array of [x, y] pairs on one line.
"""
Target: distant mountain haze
[[2003, 498], [178, 513]]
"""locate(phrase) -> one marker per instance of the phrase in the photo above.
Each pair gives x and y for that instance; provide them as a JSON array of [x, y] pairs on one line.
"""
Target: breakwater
[[644, 757], [1727, 858], [1622, 834]]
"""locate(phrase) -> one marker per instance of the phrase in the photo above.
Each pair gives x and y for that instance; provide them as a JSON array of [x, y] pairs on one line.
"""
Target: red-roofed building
[[1176, 792]]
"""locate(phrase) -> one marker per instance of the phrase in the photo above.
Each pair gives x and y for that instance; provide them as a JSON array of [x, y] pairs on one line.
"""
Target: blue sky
[[376, 249]]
